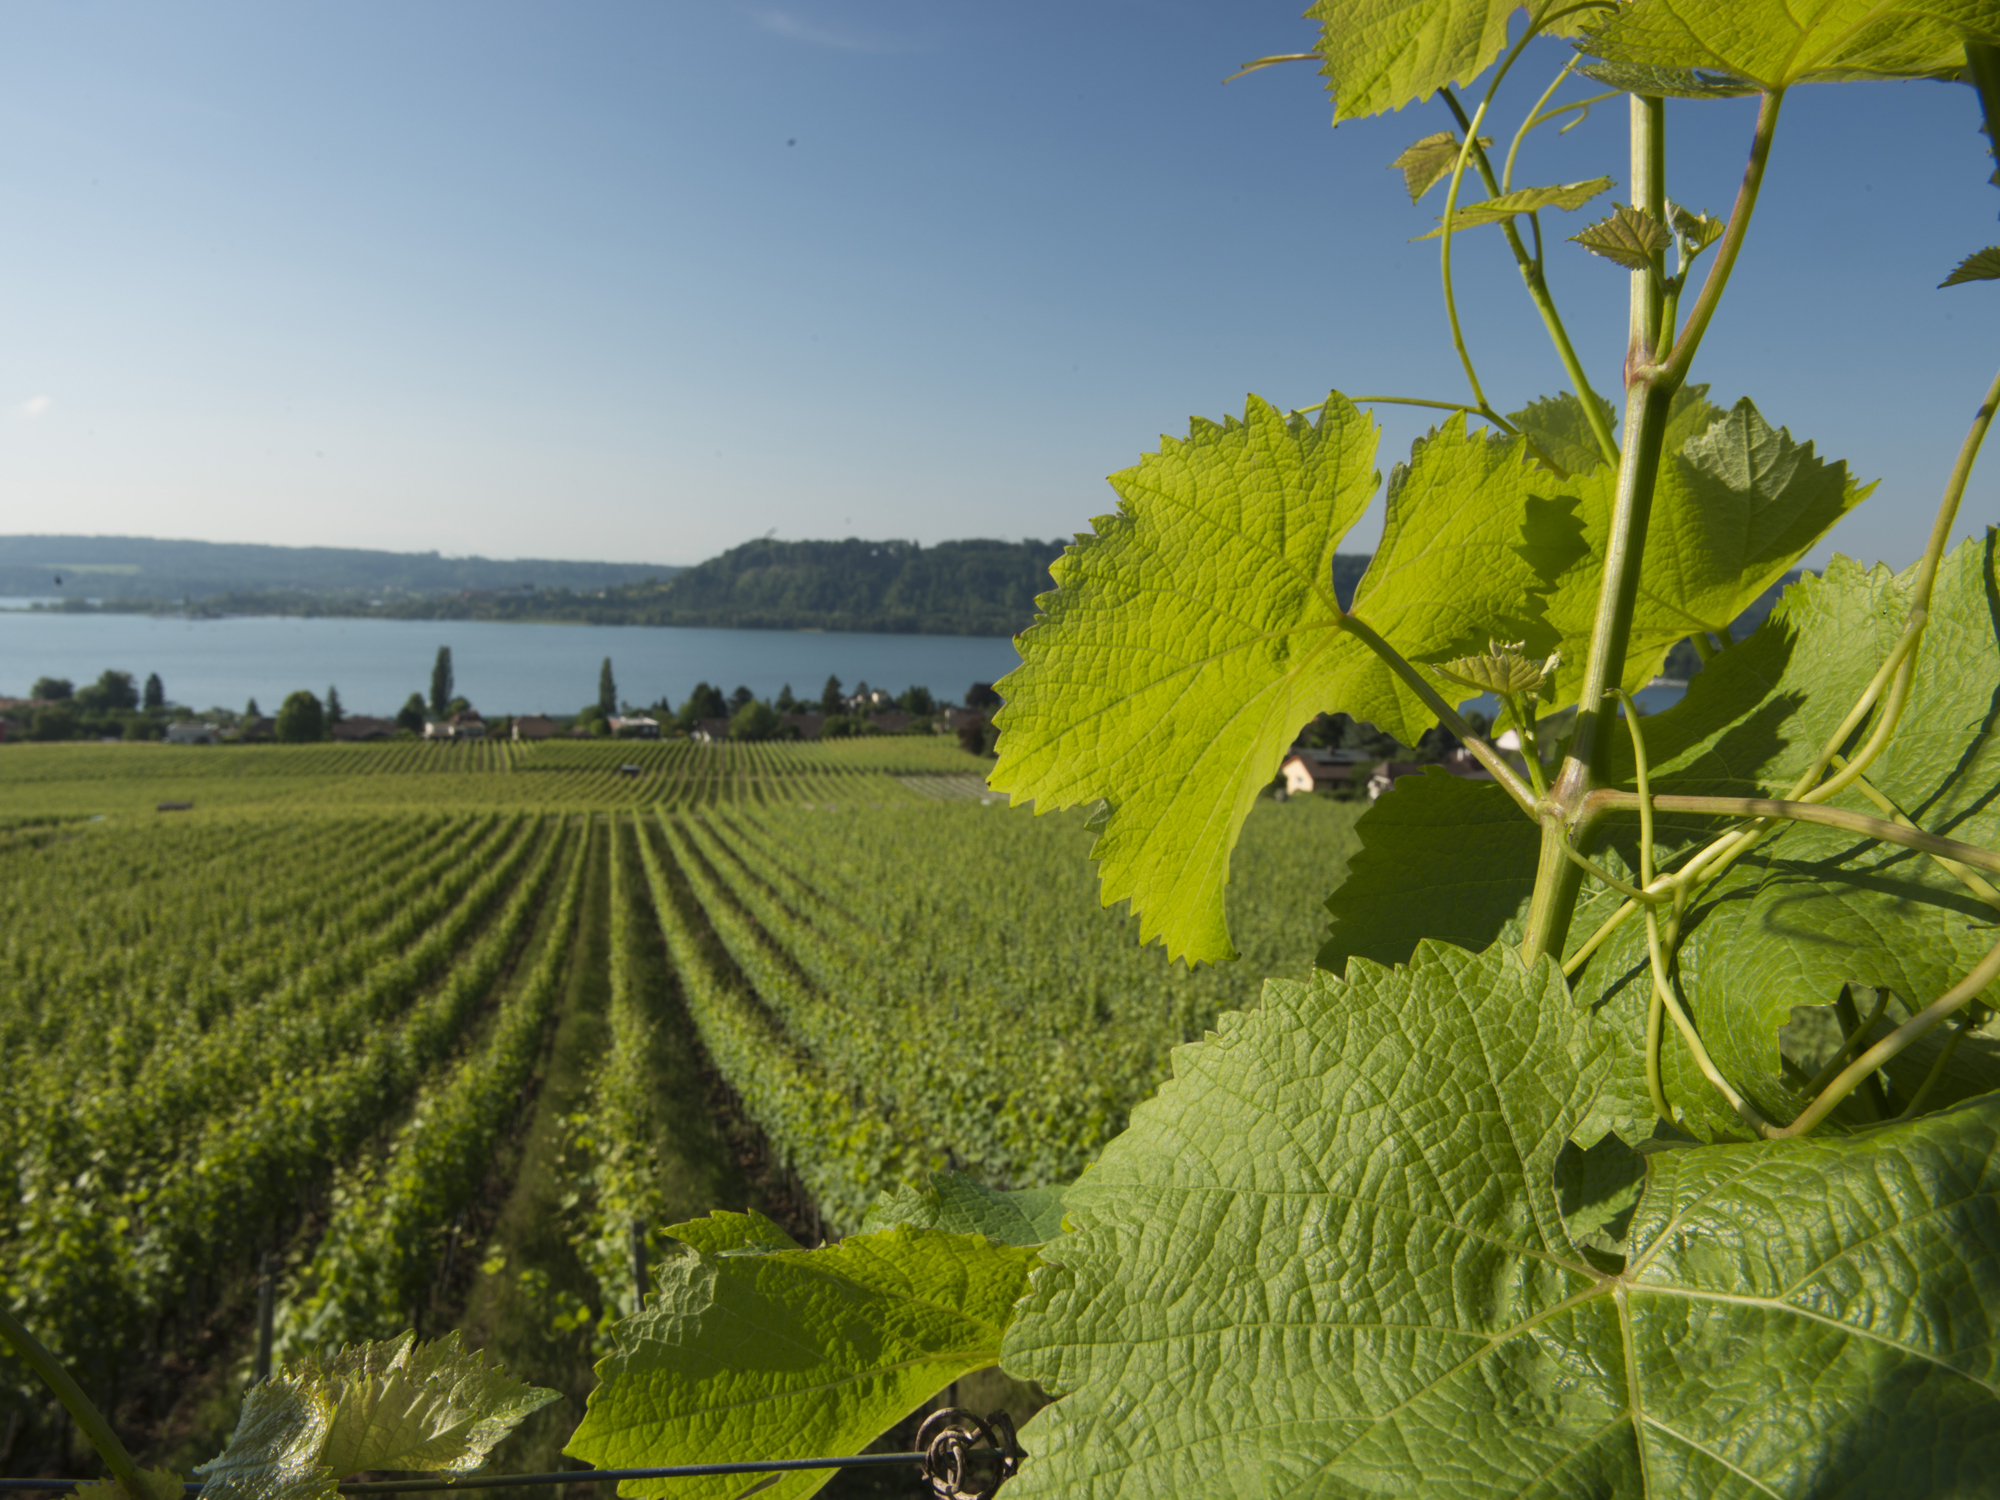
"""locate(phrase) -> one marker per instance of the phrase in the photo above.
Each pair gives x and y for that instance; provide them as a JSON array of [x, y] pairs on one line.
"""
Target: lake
[[501, 668]]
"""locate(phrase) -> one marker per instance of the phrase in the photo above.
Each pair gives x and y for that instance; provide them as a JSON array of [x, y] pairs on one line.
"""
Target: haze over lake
[[501, 668]]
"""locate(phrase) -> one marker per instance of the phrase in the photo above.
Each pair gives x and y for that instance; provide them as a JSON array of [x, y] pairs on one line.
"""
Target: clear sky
[[644, 280]]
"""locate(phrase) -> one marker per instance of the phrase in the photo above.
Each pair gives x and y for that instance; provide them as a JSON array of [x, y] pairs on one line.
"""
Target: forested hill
[[155, 570], [953, 588]]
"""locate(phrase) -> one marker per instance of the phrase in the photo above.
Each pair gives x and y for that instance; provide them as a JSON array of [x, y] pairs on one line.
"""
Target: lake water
[[501, 668]]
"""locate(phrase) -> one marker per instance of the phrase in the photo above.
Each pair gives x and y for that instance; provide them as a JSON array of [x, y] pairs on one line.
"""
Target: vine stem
[[1951, 1001], [1531, 270], [95, 1429], [1656, 1087], [1805, 812], [1487, 756], [1676, 368]]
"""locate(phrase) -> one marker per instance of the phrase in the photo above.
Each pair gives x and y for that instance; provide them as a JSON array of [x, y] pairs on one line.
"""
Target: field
[[445, 1036]]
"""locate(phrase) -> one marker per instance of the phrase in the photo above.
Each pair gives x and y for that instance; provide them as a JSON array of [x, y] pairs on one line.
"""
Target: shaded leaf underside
[[1328, 1260]]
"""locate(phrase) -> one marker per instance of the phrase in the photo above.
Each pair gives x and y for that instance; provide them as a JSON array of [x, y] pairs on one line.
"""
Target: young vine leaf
[[1379, 55], [1981, 265], [1696, 231], [1522, 200], [956, 1204], [1631, 236], [1736, 507], [395, 1405], [1426, 163], [1192, 635], [1329, 1258], [766, 1353], [1817, 908], [1770, 44], [1557, 426]]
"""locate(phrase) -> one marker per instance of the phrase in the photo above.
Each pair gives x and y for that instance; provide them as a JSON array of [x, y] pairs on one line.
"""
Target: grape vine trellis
[[1635, 1133]]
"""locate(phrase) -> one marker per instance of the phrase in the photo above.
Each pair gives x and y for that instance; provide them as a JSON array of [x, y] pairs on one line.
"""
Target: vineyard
[[443, 1036]]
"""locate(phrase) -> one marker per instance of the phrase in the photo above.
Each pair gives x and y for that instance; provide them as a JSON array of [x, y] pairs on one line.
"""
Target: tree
[[52, 689], [917, 701], [786, 702], [52, 724], [704, 702], [607, 690], [981, 695], [753, 721], [156, 695], [829, 697], [411, 715], [334, 712], [252, 711], [441, 681], [740, 697], [301, 720]]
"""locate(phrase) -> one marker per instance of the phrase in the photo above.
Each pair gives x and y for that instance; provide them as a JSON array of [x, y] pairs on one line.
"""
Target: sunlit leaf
[[776, 1354], [1428, 162], [1631, 236], [1197, 629], [954, 1203], [1558, 427], [1697, 231], [1772, 44], [393, 1405], [1734, 510], [1521, 200], [1379, 55], [1982, 265]]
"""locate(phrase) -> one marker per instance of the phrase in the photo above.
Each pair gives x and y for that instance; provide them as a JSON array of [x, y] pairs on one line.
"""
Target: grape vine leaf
[[1196, 630], [956, 1204], [1771, 44], [1981, 265], [1696, 230], [1817, 908], [750, 1353], [1426, 163], [1631, 237], [1558, 427], [1570, 195], [1329, 1259], [1440, 857], [1379, 55], [1735, 508], [397, 1404]]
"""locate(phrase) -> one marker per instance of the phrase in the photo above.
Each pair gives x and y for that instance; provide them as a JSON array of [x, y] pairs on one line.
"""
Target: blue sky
[[642, 281]]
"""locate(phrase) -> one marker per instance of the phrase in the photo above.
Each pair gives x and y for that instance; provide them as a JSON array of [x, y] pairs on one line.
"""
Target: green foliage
[[1631, 237], [430, 1407], [1522, 200], [1686, 46], [1379, 1154], [1426, 163], [301, 720], [755, 720], [1981, 265], [755, 1348], [1379, 55], [607, 690], [441, 682], [957, 1204]]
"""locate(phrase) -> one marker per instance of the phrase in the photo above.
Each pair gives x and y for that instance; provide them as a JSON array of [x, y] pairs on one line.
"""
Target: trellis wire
[[567, 1476]]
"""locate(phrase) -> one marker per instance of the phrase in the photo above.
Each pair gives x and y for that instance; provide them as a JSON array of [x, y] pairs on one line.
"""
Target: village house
[[355, 727], [711, 731], [465, 726], [190, 732], [1318, 771], [535, 727], [635, 727]]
